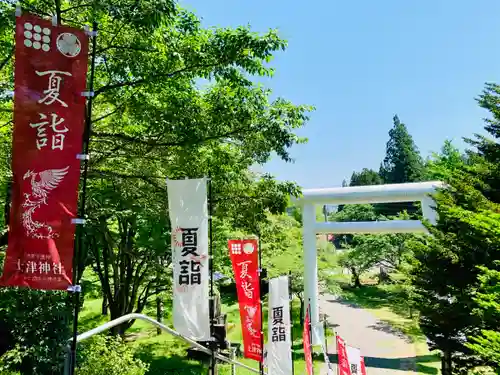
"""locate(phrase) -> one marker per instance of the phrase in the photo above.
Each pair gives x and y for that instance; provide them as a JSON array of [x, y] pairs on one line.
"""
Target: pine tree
[[487, 344], [453, 264], [487, 151], [402, 163], [445, 274]]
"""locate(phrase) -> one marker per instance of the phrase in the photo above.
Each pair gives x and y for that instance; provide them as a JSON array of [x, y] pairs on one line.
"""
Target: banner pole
[[291, 320], [213, 369], [79, 238], [310, 335], [261, 364], [324, 331]]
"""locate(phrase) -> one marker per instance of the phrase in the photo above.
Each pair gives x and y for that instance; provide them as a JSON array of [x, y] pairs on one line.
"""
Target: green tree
[[402, 163], [486, 151], [352, 212], [365, 177], [388, 251], [487, 344], [443, 165], [466, 236], [153, 119]]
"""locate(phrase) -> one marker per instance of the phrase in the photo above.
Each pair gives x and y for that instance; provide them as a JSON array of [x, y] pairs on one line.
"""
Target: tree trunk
[[159, 312], [355, 278], [383, 275], [446, 363], [104, 308], [301, 316], [119, 330]]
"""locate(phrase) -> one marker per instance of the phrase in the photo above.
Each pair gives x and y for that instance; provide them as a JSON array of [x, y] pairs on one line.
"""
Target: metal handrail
[[128, 317]]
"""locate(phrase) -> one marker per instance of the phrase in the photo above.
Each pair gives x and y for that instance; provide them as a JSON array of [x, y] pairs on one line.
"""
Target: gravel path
[[386, 351]]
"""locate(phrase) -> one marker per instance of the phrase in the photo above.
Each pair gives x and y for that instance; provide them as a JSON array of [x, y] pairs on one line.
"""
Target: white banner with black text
[[187, 202], [279, 346]]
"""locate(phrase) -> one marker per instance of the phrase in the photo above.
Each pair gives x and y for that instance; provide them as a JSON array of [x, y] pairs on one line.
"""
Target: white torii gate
[[408, 192]]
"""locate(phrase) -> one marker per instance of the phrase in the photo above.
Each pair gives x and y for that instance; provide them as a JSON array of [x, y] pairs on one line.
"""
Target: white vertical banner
[[354, 358], [188, 208], [279, 345]]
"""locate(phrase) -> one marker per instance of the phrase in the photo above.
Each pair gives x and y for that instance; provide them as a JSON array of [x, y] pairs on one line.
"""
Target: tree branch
[[33, 9], [147, 179], [76, 7], [150, 79], [148, 142], [131, 48], [7, 123]]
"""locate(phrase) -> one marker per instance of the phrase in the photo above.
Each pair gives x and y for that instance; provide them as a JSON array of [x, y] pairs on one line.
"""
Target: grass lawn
[[387, 303], [167, 355]]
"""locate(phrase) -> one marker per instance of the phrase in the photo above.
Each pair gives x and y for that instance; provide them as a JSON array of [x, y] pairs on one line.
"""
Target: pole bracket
[[19, 11], [78, 221], [88, 94], [74, 289], [83, 156], [88, 32]]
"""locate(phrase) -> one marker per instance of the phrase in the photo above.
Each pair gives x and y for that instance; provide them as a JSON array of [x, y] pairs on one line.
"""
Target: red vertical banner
[[343, 361], [49, 112], [245, 260], [362, 365], [306, 338]]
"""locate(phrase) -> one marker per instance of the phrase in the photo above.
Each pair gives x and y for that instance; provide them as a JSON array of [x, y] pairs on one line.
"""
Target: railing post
[[233, 357]]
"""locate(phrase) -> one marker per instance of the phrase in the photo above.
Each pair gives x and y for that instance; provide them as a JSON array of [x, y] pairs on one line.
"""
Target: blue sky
[[361, 62]]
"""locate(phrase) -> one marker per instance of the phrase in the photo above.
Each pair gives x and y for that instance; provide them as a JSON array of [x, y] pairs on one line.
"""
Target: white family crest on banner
[[40, 38], [279, 346], [68, 44], [248, 248], [188, 208], [37, 37]]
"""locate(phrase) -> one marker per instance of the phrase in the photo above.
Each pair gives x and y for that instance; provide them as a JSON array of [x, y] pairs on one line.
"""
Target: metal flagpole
[[261, 363], [291, 320], [213, 366], [79, 238]]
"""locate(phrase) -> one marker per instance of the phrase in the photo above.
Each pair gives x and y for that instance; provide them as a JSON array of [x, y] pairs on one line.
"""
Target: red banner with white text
[[343, 360], [244, 257], [306, 339], [49, 112]]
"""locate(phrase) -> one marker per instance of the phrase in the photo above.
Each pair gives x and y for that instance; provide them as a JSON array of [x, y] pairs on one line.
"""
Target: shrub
[[37, 324], [110, 356]]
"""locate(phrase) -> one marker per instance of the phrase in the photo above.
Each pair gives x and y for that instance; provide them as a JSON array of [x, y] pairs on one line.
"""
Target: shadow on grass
[[376, 297], [173, 364], [383, 326]]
